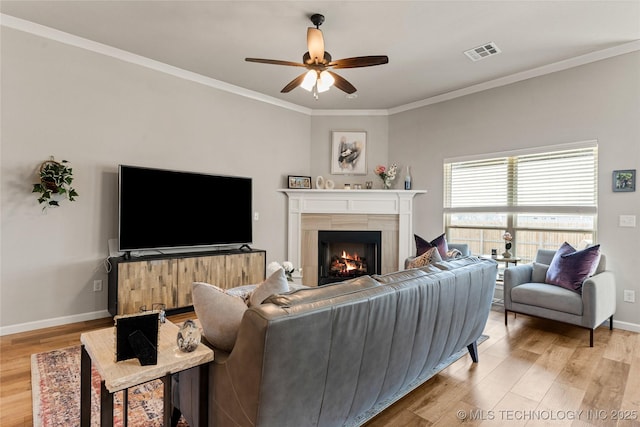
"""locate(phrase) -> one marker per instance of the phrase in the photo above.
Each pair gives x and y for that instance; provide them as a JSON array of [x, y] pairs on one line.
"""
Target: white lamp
[[325, 81], [309, 80]]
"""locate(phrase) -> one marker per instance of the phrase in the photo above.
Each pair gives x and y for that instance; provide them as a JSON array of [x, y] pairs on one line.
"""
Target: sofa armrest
[[515, 276], [598, 298]]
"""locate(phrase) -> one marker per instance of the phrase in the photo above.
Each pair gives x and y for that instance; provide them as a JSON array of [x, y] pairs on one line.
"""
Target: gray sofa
[[339, 354], [525, 292]]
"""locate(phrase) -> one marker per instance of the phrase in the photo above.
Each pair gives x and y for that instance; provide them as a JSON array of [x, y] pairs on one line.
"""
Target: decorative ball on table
[[188, 336]]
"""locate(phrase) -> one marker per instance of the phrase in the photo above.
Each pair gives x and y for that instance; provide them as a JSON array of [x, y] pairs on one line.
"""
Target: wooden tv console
[[167, 278]]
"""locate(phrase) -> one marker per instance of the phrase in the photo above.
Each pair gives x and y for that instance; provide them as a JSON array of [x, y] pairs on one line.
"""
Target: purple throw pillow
[[439, 242], [569, 268], [422, 245]]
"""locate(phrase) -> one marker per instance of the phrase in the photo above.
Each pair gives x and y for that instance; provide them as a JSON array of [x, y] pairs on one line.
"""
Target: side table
[[98, 348], [498, 296]]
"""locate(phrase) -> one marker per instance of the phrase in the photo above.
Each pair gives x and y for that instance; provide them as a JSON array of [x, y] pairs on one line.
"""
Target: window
[[543, 197]]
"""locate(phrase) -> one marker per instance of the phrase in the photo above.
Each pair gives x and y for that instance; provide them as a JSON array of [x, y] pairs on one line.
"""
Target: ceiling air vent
[[484, 51]]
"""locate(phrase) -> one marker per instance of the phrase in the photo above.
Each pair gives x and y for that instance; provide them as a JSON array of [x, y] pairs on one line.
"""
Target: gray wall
[[598, 101], [98, 112], [377, 131]]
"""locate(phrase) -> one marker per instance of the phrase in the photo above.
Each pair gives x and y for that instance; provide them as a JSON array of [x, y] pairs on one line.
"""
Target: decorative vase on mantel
[[386, 184]]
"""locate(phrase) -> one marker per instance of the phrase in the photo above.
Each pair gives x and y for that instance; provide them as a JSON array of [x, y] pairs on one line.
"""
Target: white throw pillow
[[219, 313], [275, 284]]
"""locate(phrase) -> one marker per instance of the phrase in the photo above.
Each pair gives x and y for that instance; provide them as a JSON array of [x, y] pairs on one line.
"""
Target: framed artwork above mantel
[[348, 153]]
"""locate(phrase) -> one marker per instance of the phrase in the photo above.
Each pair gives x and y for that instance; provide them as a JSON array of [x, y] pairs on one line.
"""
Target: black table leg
[[85, 388], [106, 406], [167, 406], [203, 411], [125, 407]]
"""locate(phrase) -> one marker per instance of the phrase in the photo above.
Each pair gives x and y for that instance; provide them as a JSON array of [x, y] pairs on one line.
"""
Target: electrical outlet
[[629, 295], [256, 216], [97, 286], [627, 221]]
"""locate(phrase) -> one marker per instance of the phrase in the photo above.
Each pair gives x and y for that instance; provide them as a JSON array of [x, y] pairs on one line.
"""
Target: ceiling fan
[[320, 78]]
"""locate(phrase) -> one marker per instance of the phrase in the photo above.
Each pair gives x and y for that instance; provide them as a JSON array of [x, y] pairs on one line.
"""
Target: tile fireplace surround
[[389, 211]]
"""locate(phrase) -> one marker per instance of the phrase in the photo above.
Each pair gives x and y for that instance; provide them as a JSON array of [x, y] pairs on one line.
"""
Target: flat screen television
[[163, 209]]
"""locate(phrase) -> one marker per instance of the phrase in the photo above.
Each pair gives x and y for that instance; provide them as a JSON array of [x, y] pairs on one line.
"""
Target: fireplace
[[347, 254], [387, 211]]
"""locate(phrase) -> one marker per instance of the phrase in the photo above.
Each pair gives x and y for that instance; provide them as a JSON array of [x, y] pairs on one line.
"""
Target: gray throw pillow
[[275, 284], [539, 273], [219, 313]]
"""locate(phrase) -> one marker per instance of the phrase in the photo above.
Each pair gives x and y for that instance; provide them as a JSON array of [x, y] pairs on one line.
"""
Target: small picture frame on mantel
[[299, 182], [624, 180]]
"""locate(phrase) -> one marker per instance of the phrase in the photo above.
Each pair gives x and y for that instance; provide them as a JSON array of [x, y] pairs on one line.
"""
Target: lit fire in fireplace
[[348, 265]]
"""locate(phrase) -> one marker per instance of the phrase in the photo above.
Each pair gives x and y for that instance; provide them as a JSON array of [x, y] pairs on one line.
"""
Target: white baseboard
[[633, 327], [56, 321]]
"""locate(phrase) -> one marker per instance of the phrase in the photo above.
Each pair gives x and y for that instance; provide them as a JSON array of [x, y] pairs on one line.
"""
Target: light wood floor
[[532, 372]]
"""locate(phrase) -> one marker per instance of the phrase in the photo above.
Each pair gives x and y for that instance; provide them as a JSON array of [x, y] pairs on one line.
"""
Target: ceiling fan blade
[[275, 62], [315, 44], [341, 83], [359, 61], [293, 83]]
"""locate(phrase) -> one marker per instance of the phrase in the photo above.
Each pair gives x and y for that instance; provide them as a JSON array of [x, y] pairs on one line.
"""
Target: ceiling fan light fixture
[[325, 81], [309, 80]]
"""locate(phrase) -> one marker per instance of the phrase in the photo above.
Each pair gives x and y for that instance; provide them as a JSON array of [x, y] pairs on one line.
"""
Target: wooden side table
[[98, 348]]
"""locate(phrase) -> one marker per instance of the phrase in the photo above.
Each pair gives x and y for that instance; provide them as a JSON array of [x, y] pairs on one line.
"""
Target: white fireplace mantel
[[383, 202]]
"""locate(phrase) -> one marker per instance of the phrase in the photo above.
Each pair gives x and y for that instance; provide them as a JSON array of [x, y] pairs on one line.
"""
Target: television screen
[[161, 209]]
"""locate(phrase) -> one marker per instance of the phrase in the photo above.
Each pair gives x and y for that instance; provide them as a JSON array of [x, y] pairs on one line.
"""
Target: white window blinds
[[564, 180]]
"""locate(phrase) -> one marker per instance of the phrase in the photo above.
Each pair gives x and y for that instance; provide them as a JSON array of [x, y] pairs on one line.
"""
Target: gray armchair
[[525, 292]]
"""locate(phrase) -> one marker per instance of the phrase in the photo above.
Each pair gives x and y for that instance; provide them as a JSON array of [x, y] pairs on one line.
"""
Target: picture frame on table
[[624, 180], [299, 182], [137, 337], [348, 153]]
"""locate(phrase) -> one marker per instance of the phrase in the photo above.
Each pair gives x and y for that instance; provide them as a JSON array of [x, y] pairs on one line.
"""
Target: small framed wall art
[[348, 153], [299, 182], [624, 180]]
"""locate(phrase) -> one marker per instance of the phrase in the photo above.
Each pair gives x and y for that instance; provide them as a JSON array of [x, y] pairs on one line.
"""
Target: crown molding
[[83, 43], [123, 55], [524, 75], [350, 112]]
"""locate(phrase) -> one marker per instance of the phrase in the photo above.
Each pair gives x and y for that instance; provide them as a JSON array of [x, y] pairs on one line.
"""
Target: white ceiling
[[424, 40]]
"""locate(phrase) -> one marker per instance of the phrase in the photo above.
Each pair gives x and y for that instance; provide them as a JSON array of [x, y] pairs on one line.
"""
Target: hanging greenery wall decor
[[55, 183]]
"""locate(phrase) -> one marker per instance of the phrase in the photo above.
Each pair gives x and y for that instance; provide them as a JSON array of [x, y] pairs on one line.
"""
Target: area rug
[[55, 386]]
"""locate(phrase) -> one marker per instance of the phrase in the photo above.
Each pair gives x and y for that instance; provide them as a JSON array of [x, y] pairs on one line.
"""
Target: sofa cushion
[[548, 296], [399, 276], [243, 292], [429, 257], [439, 242], [312, 294], [459, 262], [275, 284], [219, 312], [569, 268]]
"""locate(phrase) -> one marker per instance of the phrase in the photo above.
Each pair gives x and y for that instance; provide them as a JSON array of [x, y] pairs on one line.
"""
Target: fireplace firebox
[[347, 254]]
